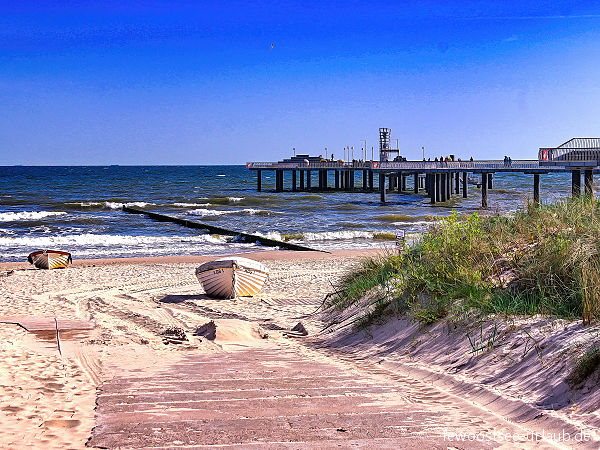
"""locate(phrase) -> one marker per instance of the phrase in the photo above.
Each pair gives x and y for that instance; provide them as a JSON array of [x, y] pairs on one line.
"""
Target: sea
[[79, 210]]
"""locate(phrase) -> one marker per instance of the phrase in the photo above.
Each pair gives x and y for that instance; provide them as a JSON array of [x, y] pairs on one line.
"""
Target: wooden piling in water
[[589, 182], [536, 189], [259, 180], [484, 189]]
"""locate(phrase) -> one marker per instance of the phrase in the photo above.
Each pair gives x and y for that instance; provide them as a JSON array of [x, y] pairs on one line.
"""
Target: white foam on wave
[[86, 204], [235, 199], [214, 212], [190, 205], [110, 205], [337, 235], [106, 240], [28, 215], [270, 235], [117, 205], [422, 223]]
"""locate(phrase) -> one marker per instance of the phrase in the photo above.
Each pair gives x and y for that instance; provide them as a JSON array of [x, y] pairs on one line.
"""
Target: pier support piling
[[294, 184], [259, 180], [301, 179], [484, 190], [337, 180], [308, 180], [589, 182], [490, 183], [416, 186], [382, 186], [371, 180], [438, 187], [576, 183], [457, 183], [364, 182], [536, 189], [465, 180], [278, 180], [444, 187], [351, 175]]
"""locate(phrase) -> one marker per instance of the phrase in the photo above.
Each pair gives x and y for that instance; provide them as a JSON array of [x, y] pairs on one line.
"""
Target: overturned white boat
[[50, 259], [232, 277]]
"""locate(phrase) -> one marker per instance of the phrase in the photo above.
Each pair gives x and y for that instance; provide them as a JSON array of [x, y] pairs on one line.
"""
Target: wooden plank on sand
[[33, 323]]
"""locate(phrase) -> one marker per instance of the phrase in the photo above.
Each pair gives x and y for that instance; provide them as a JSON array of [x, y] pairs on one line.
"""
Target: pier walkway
[[439, 180]]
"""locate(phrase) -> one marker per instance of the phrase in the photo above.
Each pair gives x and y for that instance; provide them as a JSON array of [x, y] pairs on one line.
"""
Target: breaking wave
[[28, 215], [213, 212], [105, 240]]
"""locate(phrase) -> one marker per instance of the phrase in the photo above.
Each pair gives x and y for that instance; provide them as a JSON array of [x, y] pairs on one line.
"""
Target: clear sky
[[224, 82]]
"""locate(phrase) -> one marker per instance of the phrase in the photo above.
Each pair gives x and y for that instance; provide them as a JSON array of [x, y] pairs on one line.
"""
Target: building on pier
[[575, 152]]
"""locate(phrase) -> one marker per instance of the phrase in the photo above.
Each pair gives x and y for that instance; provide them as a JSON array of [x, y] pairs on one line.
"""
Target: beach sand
[[48, 399]]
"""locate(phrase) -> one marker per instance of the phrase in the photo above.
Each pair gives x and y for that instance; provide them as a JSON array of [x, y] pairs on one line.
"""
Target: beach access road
[[124, 385]]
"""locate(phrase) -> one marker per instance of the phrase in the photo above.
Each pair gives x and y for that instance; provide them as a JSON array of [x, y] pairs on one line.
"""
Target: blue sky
[[198, 82]]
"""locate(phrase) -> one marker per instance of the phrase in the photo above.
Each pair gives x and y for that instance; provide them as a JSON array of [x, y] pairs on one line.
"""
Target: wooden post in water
[[382, 187], [308, 180], [337, 179], [364, 183], [294, 187], [576, 183], [465, 184], [403, 176], [448, 186], [259, 180], [438, 187], [484, 189], [536, 189], [490, 178], [444, 188], [457, 183], [432, 187], [351, 175], [301, 179], [589, 182], [278, 180], [371, 184], [416, 186]]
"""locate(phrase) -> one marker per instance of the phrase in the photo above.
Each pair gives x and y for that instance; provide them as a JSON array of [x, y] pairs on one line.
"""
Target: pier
[[440, 181]]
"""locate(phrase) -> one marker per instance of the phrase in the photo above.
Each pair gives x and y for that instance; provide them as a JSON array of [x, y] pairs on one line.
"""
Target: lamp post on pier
[[365, 148]]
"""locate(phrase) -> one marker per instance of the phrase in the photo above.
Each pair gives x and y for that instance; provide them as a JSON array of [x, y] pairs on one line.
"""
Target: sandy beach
[[109, 382], [48, 399]]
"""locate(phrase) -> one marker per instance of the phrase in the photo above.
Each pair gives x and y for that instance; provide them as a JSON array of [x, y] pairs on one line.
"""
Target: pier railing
[[479, 165]]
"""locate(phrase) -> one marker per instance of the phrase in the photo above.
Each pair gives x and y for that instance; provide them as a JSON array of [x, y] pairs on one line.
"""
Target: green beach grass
[[539, 260]]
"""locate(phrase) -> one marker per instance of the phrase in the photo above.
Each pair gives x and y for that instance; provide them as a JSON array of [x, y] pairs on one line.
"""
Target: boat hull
[[232, 277], [50, 259]]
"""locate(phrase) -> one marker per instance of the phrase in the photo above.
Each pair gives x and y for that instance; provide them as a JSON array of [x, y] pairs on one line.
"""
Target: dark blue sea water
[[78, 209]]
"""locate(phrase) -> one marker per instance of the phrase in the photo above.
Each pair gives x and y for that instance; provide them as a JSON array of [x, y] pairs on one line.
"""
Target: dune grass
[[540, 260], [586, 365]]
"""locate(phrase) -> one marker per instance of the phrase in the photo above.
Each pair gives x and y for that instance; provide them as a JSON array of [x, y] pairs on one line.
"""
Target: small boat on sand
[[50, 259], [232, 277]]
